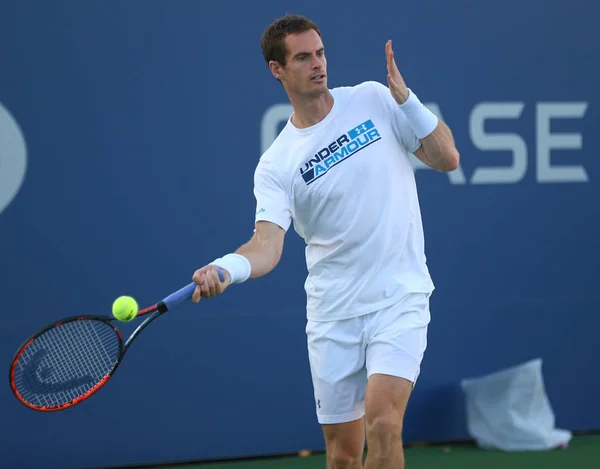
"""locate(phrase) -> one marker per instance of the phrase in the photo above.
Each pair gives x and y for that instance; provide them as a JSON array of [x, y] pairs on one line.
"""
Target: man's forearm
[[262, 254], [437, 144], [439, 148]]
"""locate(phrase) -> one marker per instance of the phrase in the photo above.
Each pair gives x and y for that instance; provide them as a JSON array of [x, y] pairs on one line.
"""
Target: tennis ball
[[125, 308]]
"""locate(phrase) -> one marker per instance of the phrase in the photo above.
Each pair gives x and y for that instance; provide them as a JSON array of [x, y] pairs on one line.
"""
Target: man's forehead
[[307, 41]]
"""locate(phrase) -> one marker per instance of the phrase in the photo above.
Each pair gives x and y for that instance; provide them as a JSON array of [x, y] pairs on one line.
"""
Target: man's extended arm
[[259, 256]]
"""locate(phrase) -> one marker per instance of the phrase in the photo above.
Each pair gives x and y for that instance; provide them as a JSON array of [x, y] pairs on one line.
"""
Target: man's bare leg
[[386, 401], [345, 444]]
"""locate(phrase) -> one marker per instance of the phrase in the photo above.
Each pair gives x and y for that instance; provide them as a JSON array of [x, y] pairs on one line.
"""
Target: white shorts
[[344, 354]]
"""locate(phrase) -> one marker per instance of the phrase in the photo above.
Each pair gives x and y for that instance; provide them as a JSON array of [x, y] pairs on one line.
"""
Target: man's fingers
[[198, 279], [205, 287], [214, 280], [209, 281], [387, 55], [218, 278], [197, 295], [393, 71]]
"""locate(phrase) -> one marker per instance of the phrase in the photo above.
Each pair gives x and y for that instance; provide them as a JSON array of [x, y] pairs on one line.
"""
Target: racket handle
[[184, 294]]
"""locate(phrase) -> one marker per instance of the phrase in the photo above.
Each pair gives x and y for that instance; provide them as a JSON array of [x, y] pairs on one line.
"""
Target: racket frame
[[154, 312], [167, 304]]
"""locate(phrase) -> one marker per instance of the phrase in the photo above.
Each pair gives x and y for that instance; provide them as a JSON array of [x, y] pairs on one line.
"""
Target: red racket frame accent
[[157, 310], [83, 397]]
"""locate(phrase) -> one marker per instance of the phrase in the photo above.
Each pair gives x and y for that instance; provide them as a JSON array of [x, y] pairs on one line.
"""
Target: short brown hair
[[273, 39]]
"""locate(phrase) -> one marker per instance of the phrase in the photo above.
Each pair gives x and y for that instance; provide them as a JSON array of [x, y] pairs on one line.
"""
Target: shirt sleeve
[[272, 200], [404, 132]]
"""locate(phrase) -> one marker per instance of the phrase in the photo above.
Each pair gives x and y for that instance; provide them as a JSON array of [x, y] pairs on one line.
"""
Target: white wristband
[[236, 265], [421, 119]]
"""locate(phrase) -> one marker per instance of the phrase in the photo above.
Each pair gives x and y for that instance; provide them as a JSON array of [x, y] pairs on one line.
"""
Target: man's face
[[305, 72]]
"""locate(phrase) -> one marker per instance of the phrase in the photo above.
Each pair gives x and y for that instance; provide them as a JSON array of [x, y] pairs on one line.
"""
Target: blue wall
[[143, 121]]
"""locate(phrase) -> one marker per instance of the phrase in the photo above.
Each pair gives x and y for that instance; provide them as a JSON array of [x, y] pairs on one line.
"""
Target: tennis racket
[[66, 362]]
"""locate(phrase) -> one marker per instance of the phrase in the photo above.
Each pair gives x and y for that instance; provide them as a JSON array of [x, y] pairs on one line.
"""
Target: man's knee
[[345, 444], [339, 458], [384, 428], [387, 397]]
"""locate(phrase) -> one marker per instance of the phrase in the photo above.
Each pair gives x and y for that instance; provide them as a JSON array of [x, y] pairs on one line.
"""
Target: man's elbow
[[451, 161], [274, 259]]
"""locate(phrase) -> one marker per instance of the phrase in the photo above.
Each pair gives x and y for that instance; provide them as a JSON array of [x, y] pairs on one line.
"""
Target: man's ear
[[276, 69]]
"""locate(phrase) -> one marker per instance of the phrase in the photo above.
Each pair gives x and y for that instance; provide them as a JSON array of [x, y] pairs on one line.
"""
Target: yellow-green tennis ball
[[125, 308]]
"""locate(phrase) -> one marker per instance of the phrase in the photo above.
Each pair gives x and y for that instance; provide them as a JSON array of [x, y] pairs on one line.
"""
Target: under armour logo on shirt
[[360, 129]]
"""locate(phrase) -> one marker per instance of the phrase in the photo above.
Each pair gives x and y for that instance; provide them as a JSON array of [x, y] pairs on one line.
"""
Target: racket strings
[[66, 362]]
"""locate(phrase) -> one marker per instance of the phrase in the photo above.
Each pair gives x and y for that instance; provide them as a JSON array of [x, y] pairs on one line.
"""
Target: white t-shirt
[[348, 186]]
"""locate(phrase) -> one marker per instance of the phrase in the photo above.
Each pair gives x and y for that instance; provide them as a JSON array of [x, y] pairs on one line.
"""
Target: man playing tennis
[[340, 170]]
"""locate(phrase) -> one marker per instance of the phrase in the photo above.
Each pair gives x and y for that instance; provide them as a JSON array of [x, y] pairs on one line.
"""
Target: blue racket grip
[[184, 294]]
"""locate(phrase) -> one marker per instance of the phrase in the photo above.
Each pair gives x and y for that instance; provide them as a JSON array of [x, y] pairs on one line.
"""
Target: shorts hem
[[395, 372], [343, 418]]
